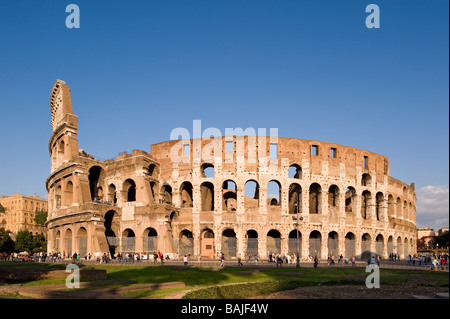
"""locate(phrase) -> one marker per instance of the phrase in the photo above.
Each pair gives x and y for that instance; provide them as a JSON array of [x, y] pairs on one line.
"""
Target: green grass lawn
[[262, 280]]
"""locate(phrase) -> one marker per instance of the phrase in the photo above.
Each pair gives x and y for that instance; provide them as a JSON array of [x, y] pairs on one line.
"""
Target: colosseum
[[232, 195]]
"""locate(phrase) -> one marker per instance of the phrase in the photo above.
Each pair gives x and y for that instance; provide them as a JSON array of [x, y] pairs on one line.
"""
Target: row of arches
[[313, 243]]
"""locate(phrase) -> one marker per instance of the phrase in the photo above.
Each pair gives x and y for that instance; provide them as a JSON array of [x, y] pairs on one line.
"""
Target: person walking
[[222, 260], [185, 260], [353, 261], [316, 261], [239, 261]]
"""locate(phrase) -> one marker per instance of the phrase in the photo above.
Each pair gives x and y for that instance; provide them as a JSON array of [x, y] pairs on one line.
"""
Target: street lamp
[[298, 219]]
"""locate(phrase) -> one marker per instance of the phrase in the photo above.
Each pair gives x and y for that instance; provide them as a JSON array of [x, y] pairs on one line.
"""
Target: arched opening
[[405, 247], [207, 244], [399, 247], [82, 241], [405, 210], [315, 198], [57, 242], [365, 205], [153, 192], [366, 180], [68, 196], [96, 181], [315, 244], [333, 203], [379, 198], [207, 196], [207, 170], [128, 240], [229, 244], [150, 240], [295, 171], [58, 197], [379, 245], [229, 197], [152, 171], [350, 245], [112, 223], [252, 242], [399, 208], [274, 241], [186, 243], [251, 192], [295, 199], [350, 199], [129, 186], [390, 246], [112, 194], [333, 244], [274, 193], [68, 241], [295, 243], [365, 246], [166, 195], [391, 206], [186, 194]]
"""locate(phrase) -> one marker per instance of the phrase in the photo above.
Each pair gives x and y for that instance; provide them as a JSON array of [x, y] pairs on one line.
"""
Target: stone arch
[[315, 244], [365, 204], [186, 243], [186, 194], [333, 243], [295, 171], [379, 245], [128, 240], [67, 247], [207, 196], [274, 199], [366, 251], [112, 193], [150, 240], [252, 242], [295, 242], [366, 180], [68, 194], [229, 243], [315, 199], [350, 245], [207, 249], [350, 199], [165, 194], [273, 241], [96, 181], [129, 187], [390, 246], [391, 206], [295, 198], [112, 226], [82, 236], [207, 170], [251, 195], [379, 198], [229, 195]]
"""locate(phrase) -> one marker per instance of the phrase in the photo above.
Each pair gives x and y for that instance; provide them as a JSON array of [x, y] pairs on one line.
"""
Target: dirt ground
[[416, 286]]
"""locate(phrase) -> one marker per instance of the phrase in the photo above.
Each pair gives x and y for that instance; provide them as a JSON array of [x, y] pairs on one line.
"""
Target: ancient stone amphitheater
[[232, 195]]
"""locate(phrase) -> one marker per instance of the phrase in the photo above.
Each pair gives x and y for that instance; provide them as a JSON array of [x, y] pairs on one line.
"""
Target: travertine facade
[[233, 194]]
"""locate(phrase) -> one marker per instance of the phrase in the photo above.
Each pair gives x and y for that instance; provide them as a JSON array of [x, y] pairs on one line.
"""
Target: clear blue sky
[[312, 69]]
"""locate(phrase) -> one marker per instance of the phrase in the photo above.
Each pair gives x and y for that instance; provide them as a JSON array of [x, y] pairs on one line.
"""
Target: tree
[[443, 240], [24, 241], [40, 218], [6, 243]]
